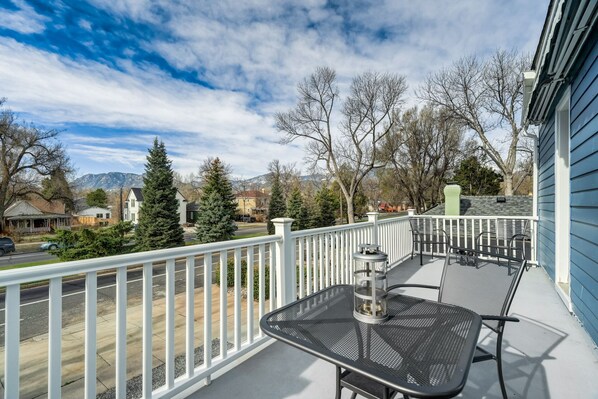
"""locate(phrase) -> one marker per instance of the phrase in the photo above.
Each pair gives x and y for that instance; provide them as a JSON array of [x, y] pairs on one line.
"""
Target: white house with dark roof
[[135, 199]]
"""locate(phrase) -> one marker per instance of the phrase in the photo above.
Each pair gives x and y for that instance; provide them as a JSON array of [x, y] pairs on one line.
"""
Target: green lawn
[[29, 264]]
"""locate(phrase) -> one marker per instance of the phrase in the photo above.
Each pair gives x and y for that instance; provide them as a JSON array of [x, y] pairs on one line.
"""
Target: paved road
[[14, 259]]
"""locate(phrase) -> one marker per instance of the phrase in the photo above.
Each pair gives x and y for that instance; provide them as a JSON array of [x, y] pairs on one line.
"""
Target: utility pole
[[122, 210]]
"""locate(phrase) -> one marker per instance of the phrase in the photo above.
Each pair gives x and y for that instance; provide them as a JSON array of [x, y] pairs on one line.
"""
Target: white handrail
[[29, 274]]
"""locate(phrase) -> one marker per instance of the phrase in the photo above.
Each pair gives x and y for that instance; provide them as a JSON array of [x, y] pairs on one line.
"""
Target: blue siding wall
[[546, 197], [584, 194]]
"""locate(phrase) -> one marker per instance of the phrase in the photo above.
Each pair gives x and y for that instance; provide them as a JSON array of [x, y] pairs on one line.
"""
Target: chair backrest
[[507, 228], [416, 225], [487, 287]]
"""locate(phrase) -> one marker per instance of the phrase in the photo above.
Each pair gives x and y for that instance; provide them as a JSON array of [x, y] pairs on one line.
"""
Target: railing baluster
[[12, 336], [91, 296], [308, 265], [342, 258], [262, 284], [223, 307], [250, 294], [321, 260], [327, 259], [55, 338], [337, 259], [272, 277], [207, 318], [169, 323], [190, 311], [147, 331], [237, 300], [301, 259], [121, 333]]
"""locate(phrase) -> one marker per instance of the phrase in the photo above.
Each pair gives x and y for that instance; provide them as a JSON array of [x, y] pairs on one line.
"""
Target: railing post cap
[[283, 220], [410, 211], [373, 213]]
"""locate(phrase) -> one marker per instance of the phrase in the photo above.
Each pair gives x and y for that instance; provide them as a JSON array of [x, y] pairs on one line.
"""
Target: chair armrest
[[393, 287], [500, 318], [492, 233]]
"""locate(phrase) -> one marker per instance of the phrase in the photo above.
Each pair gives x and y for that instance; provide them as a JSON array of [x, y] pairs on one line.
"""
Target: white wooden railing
[[479, 232], [257, 252], [295, 263]]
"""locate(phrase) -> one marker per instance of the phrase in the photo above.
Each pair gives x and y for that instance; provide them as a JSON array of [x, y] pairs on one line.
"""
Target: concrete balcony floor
[[546, 355]]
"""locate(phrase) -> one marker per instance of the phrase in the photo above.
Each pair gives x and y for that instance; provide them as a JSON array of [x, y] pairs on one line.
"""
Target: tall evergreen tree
[[477, 179], [97, 198], [297, 210], [217, 205], [277, 208], [159, 216], [326, 207]]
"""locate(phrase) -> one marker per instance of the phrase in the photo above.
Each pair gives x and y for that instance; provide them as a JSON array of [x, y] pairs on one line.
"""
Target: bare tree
[[485, 96], [290, 176], [27, 155], [366, 117], [423, 149]]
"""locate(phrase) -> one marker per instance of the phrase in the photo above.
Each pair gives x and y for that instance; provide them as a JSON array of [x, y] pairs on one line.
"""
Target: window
[[132, 203], [107, 216], [132, 217], [99, 215]]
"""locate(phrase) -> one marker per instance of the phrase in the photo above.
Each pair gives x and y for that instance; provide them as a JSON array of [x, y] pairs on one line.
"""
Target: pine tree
[[159, 215], [277, 208], [217, 205], [326, 208], [297, 210]]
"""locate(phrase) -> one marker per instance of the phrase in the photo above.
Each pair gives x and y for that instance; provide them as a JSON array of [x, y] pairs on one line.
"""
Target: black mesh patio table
[[423, 350]]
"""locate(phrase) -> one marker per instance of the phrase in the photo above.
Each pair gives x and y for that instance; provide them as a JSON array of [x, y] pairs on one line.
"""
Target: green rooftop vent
[[452, 200]]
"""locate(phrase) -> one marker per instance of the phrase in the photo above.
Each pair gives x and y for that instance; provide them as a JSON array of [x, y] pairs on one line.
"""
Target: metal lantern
[[370, 284]]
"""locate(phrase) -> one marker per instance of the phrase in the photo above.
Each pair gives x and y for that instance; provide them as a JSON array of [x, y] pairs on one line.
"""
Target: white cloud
[[58, 90], [24, 20]]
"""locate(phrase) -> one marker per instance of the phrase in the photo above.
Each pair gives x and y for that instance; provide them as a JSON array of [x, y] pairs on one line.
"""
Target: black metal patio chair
[[487, 288], [506, 237], [423, 232]]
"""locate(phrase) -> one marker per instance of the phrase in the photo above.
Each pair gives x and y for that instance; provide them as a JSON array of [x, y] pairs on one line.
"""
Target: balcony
[[137, 325]]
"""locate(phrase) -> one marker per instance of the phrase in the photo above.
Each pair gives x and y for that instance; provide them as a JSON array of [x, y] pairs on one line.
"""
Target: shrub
[[230, 278]]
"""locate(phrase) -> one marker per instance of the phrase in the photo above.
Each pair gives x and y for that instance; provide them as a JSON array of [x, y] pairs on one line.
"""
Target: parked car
[[247, 219], [46, 246], [7, 245]]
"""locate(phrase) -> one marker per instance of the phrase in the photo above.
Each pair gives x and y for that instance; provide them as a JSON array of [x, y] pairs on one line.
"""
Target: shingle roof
[[138, 193], [487, 205]]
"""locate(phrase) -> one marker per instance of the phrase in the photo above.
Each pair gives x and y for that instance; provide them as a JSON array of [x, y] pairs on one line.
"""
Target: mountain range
[[108, 181], [115, 180]]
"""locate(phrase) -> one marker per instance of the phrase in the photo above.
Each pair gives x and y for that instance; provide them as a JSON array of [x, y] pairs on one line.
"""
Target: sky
[[206, 77]]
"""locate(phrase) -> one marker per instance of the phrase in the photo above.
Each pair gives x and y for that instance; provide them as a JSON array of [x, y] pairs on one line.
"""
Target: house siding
[[584, 193], [583, 196], [546, 236]]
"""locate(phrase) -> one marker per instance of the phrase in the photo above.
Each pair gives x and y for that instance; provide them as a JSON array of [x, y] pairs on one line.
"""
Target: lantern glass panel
[[370, 284]]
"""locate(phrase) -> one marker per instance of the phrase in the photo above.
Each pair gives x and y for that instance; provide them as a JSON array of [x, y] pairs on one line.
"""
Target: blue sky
[[207, 76]]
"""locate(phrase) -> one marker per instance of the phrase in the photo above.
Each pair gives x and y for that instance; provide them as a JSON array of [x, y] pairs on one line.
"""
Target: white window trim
[[562, 197]]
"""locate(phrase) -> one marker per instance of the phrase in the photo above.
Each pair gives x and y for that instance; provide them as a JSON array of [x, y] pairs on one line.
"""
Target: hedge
[[230, 278]]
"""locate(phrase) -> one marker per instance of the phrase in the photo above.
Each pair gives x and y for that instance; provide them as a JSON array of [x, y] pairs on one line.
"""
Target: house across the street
[[253, 203], [36, 215], [93, 216], [135, 199]]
